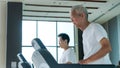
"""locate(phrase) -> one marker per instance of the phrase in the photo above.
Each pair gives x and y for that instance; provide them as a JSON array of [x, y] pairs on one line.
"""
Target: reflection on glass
[[66, 27], [28, 32], [60, 52], [52, 50], [27, 52], [47, 32]]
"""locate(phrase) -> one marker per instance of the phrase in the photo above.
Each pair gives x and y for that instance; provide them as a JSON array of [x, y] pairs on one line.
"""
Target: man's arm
[[105, 48]]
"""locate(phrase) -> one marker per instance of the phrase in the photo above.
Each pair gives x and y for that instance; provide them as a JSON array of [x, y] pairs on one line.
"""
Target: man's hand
[[83, 61], [69, 62]]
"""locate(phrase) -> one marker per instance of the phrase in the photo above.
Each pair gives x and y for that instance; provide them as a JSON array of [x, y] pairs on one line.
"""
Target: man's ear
[[65, 41], [82, 15]]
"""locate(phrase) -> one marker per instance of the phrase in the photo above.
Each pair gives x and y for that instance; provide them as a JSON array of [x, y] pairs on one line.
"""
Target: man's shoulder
[[96, 25]]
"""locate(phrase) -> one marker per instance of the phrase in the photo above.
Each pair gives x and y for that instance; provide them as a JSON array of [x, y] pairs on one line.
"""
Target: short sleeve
[[71, 56], [99, 32]]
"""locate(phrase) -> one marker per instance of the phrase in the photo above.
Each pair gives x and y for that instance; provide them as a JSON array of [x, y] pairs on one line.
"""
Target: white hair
[[80, 9]]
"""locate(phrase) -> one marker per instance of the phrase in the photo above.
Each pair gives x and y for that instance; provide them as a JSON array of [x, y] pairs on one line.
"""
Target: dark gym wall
[[14, 32]]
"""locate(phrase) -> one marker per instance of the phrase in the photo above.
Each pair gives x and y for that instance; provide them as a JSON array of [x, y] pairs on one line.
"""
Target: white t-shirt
[[91, 42], [68, 55]]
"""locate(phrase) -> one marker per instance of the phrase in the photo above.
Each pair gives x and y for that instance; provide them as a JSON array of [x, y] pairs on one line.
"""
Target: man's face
[[76, 19], [62, 42]]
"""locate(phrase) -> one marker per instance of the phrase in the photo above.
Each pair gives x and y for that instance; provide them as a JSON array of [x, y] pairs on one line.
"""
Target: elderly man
[[96, 44]]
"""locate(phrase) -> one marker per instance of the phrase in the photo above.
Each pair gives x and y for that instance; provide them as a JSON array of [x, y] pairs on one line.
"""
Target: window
[[28, 32], [47, 32]]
